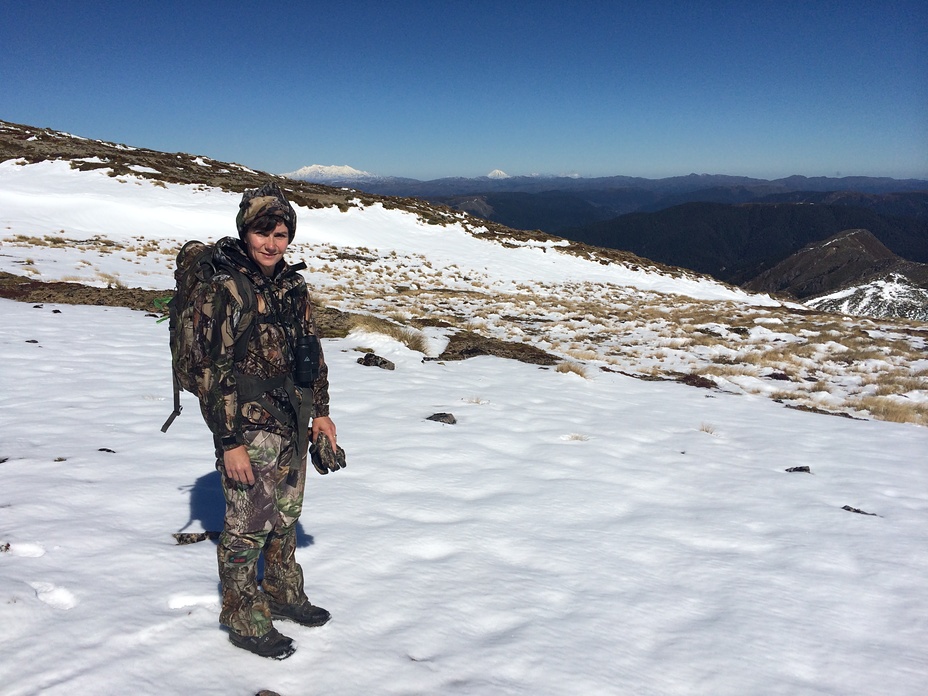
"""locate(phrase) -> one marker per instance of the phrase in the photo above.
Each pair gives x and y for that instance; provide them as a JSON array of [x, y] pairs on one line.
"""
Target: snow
[[567, 536], [894, 295], [325, 173]]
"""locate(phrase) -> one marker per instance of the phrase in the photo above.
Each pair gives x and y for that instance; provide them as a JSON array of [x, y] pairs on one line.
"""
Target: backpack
[[197, 264]]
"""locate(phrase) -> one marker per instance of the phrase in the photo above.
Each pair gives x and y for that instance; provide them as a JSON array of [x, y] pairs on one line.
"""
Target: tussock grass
[[582, 353], [111, 280], [893, 410], [830, 359], [571, 368], [727, 370], [412, 339]]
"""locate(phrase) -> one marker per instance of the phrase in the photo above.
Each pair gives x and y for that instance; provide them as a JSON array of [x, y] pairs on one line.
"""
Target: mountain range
[[558, 203], [741, 230]]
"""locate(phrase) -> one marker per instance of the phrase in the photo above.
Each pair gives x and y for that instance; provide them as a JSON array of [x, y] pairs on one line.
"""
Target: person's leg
[[244, 607], [283, 576], [251, 513]]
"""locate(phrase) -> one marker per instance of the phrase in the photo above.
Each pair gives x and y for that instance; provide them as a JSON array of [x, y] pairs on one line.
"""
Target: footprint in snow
[[54, 596]]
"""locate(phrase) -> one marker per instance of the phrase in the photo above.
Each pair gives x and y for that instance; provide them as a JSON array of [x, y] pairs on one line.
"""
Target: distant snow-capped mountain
[[322, 173], [340, 174], [893, 296]]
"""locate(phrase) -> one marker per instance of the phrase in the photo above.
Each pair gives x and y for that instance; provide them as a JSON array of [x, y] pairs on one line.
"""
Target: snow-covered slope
[[596, 536], [595, 309], [323, 174], [891, 296]]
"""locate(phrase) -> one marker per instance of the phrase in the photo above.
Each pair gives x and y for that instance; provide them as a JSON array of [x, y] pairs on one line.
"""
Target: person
[[260, 419]]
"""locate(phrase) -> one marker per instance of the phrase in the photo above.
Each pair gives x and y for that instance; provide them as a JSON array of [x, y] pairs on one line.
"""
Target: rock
[[372, 360], [443, 418], [799, 469], [859, 511]]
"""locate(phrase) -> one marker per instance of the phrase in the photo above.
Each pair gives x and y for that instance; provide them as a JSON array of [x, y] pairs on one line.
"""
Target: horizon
[[427, 91], [506, 175]]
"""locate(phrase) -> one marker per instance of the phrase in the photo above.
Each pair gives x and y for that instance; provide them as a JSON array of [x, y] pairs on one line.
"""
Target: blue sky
[[432, 89]]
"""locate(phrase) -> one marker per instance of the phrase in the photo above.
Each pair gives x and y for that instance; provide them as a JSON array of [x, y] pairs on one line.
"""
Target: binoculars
[[306, 368]]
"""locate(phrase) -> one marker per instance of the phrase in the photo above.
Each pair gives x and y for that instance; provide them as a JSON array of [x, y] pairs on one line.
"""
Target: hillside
[[429, 269], [891, 295], [849, 258], [598, 536], [736, 243], [27, 144]]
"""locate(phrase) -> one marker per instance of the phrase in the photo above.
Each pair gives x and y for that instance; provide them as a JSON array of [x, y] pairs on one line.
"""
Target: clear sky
[[459, 88]]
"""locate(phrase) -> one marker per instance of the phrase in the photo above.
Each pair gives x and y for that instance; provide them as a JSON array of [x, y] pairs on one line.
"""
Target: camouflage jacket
[[282, 312]]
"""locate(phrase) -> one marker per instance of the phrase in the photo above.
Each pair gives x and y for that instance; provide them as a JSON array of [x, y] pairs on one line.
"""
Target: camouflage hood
[[262, 202]]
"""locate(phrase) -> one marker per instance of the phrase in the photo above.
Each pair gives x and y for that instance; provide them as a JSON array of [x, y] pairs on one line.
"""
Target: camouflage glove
[[324, 458]]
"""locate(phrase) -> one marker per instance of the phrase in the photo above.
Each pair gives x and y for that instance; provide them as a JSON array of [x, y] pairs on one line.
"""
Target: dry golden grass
[[893, 410], [571, 368], [582, 353], [412, 339], [111, 280], [727, 370], [648, 333]]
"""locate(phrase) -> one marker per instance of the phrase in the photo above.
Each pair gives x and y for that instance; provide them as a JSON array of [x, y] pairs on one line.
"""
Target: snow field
[[567, 535]]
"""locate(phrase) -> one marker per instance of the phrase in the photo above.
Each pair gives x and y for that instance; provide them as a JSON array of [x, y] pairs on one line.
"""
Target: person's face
[[267, 248]]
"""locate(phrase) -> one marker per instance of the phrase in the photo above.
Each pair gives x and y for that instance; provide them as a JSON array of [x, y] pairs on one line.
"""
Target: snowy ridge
[[892, 296], [322, 173]]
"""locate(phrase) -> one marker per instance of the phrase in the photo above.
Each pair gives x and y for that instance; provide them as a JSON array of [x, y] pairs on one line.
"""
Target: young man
[[260, 418]]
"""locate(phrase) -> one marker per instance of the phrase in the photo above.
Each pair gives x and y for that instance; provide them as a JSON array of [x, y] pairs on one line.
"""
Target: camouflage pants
[[261, 518]]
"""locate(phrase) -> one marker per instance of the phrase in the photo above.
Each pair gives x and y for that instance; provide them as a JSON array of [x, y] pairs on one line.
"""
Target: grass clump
[[412, 339], [571, 368]]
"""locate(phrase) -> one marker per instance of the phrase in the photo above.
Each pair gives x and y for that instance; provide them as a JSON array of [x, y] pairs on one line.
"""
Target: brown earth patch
[[466, 344], [14, 287], [332, 323]]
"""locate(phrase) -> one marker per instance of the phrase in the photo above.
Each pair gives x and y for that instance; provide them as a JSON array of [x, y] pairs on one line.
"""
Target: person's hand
[[324, 424], [238, 465], [324, 453]]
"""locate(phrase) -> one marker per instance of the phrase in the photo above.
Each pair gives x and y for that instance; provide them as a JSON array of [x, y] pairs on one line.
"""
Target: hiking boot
[[271, 644], [305, 613]]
